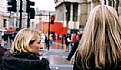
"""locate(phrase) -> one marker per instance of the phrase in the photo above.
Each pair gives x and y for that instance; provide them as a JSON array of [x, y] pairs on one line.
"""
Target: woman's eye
[[38, 42]]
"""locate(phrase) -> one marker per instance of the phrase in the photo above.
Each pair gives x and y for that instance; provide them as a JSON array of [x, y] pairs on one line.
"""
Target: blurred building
[[17, 15], [74, 13], [3, 14], [13, 18], [41, 17], [114, 3], [10, 19], [68, 12]]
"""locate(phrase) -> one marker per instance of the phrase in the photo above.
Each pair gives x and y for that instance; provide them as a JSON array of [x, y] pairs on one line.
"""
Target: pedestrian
[[43, 41], [100, 45], [50, 41], [24, 53], [67, 42], [12, 35], [47, 41], [74, 38], [73, 49], [5, 38]]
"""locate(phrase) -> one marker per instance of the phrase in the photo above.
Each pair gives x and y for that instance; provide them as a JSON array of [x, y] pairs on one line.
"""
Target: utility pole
[[49, 33], [20, 24], [28, 21], [30, 11]]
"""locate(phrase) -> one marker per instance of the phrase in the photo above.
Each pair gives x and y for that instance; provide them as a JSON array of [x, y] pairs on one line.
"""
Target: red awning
[[10, 30]]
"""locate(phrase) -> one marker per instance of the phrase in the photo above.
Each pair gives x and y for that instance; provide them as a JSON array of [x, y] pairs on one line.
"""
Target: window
[[75, 11]]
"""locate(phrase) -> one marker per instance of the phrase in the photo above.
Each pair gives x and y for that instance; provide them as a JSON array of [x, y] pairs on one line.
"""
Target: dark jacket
[[67, 37], [73, 49], [23, 61]]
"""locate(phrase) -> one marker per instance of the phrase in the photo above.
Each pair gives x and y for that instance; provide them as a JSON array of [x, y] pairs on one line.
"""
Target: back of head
[[101, 37], [22, 40]]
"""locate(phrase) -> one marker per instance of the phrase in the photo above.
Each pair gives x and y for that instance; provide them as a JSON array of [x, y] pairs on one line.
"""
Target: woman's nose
[[41, 47]]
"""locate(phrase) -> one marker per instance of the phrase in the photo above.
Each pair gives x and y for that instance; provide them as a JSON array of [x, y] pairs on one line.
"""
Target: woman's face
[[35, 46]]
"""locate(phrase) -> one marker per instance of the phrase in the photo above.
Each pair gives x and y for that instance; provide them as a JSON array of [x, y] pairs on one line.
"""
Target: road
[[57, 59]]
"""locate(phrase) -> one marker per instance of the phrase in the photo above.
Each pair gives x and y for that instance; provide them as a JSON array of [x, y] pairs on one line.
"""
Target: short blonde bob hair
[[22, 40]]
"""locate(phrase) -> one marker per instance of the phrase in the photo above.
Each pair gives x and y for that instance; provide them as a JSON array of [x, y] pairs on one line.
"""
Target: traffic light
[[28, 5], [52, 19], [12, 5], [29, 9], [32, 13]]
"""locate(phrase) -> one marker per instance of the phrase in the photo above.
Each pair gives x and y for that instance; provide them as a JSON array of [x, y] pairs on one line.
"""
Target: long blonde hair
[[101, 38], [22, 40]]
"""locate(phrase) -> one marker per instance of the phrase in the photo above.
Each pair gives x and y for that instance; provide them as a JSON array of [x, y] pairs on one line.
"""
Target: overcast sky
[[45, 4]]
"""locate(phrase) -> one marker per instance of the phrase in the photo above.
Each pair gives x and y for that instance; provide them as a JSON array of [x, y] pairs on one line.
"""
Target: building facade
[[3, 15], [67, 11], [74, 13], [10, 19], [14, 17], [17, 15], [41, 17]]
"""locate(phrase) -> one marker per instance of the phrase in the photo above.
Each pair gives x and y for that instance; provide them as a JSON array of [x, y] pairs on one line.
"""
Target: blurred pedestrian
[[47, 41], [100, 45], [43, 40], [24, 53], [73, 49], [50, 41], [5, 37], [67, 42], [74, 38], [12, 35]]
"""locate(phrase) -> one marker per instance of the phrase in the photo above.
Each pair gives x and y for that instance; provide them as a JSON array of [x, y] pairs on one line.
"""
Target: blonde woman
[[100, 45], [24, 53]]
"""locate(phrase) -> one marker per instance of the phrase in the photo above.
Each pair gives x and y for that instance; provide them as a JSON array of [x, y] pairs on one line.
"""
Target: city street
[[57, 58], [62, 24]]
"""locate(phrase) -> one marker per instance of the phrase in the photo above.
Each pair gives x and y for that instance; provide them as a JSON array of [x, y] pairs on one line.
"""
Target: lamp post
[[30, 11], [48, 33], [20, 24]]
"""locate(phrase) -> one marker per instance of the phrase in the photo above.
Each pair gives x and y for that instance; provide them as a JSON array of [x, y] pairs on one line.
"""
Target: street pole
[[20, 24], [28, 20], [63, 21], [49, 32]]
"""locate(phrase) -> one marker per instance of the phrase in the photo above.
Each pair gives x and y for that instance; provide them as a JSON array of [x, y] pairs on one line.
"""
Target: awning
[[10, 30]]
